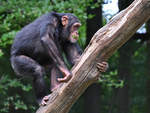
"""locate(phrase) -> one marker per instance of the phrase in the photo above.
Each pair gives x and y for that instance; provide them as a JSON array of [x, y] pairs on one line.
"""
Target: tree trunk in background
[[124, 72], [94, 23], [92, 99], [92, 94], [148, 70], [122, 4], [124, 68]]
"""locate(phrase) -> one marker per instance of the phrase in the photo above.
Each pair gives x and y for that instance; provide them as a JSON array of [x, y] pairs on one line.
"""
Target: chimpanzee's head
[[70, 26]]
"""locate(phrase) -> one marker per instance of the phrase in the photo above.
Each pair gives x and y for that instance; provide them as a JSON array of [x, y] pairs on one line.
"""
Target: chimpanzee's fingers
[[43, 103], [65, 79], [107, 65], [101, 69], [46, 98], [103, 64], [61, 79]]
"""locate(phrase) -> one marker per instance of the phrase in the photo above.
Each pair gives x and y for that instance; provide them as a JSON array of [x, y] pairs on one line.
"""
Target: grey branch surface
[[103, 44]]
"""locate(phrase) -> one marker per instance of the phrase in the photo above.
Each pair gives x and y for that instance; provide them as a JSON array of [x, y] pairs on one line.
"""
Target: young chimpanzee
[[39, 45]]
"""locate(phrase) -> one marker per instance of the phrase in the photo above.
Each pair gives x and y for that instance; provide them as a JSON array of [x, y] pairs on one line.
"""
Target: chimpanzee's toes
[[43, 102]]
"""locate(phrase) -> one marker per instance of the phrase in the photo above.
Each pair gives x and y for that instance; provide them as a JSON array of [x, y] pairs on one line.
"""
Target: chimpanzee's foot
[[43, 102]]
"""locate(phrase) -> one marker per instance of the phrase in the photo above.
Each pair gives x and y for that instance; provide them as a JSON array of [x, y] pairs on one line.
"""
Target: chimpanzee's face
[[74, 35], [70, 28]]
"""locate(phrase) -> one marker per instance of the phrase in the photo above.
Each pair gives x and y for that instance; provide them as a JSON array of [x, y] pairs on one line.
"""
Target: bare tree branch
[[105, 41]]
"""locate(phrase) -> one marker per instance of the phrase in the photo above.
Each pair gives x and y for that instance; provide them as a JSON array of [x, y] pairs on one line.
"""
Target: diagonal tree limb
[[105, 41]]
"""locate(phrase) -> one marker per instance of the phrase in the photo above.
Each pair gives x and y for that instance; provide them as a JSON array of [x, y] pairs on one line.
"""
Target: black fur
[[40, 45]]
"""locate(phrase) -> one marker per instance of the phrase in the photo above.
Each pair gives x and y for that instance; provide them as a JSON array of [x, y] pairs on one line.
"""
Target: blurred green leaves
[[8, 98], [111, 80]]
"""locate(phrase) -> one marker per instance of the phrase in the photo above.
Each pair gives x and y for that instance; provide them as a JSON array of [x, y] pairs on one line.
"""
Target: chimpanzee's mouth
[[75, 37]]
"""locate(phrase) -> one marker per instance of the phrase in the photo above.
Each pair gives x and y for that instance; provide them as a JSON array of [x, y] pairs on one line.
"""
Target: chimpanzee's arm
[[73, 52], [47, 39]]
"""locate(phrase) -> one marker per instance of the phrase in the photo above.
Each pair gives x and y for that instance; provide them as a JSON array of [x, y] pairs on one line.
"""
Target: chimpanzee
[[39, 46]]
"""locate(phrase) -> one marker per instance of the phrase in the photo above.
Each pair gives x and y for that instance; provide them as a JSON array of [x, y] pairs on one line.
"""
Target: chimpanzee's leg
[[26, 66], [55, 73]]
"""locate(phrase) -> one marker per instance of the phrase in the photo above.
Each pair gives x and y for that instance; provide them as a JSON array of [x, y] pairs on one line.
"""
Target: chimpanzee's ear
[[64, 20]]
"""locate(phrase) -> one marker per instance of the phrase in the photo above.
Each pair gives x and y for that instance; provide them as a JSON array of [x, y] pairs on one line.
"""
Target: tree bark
[[92, 96], [105, 41]]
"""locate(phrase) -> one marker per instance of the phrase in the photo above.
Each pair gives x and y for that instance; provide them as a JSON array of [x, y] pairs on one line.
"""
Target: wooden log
[[103, 44]]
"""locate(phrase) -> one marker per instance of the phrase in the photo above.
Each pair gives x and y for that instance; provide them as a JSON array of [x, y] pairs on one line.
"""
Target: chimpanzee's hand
[[102, 66], [67, 75], [66, 78]]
